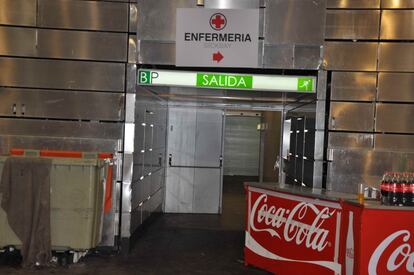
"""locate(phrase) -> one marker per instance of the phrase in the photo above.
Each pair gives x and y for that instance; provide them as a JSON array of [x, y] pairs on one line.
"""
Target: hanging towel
[[25, 184]]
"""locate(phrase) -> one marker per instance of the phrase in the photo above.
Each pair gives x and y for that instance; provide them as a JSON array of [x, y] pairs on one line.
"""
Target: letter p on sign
[[146, 77]]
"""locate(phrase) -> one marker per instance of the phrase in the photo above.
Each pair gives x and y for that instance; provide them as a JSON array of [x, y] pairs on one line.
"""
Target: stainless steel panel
[[350, 140], [8, 142], [209, 136], [354, 4], [397, 143], [131, 78], [18, 12], [207, 191], [241, 146], [278, 56], [126, 197], [133, 18], [351, 167], [394, 118], [58, 104], [135, 220], [66, 129], [62, 44], [126, 225], [73, 75], [156, 52], [396, 87], [307, 57], [82, 45], [353, 86], [179, 190], [352, 116], [83, 15], [397, 4], [396, 57], [283, 27], [352, 24], [182, 136], [130, 108], [156, 19], [17, 41], [397, 24], [157, 181], [322, 85], [132, 49], [349, 56], [231, 4]]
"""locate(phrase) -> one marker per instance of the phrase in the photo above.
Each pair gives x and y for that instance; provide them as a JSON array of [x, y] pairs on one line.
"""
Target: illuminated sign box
[[271, 83]]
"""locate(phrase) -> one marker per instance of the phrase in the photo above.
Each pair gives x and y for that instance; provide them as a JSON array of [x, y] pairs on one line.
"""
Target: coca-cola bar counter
[[299, 230]]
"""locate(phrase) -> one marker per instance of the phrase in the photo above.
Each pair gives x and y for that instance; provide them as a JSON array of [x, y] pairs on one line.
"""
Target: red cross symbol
[[218, 21]]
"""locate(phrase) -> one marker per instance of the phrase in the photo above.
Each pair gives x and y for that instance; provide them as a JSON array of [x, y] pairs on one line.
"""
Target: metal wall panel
[[156, 19], [179, 190], [82, 45], [395, 118], [133, 18], [65, 129], [242, 146], [294, 22], [35, 73], [18, 12], [156, 52], [396, 87], [209, 136], [397, 24], [398, 143], [352, 24], [396, 57], [181, 135], [132, 49], [350, 140], [352, 116], [207, 190], [278, 56], [354, 4], [83, 15], [358, 56], [231, 4], [62, 44], [17, 41], [353, 86], [397, 4], [307, 57], [58, 104], [351, 167]]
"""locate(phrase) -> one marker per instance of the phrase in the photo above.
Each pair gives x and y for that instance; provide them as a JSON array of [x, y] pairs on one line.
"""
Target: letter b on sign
[[145, 77]]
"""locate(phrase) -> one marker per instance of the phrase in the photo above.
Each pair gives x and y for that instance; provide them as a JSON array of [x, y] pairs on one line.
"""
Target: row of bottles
[[397, 188]]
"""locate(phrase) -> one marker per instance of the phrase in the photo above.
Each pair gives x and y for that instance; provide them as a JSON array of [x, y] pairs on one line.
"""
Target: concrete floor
[[177, 244]]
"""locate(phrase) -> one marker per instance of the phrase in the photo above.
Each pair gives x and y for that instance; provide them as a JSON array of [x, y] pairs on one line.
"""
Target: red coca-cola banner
[[289, 234], [386, 243]]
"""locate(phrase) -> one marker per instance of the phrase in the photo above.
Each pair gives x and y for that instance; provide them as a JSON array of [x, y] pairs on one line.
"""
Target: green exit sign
[[224, 81], [279, 83]]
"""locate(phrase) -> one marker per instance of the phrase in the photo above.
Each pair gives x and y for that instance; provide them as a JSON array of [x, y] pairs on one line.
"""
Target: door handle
[[23, 110], [170, 160], [14, 109]]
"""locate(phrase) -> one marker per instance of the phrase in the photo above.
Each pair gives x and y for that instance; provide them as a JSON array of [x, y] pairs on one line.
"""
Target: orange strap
[[108, 191]]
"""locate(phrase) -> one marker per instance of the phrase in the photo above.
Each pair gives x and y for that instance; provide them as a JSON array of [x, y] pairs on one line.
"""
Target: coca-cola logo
[[289, 224], [402, 256]]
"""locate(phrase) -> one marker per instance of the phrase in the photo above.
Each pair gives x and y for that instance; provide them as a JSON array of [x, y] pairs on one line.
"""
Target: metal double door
[[194, 173]]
